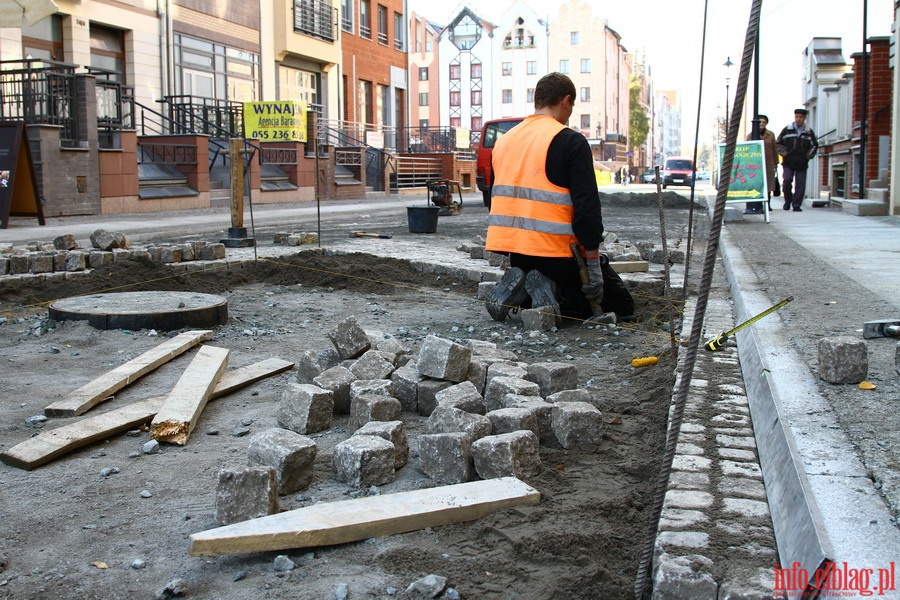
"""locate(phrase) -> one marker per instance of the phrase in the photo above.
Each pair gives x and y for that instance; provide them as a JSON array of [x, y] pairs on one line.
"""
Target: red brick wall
[[878, 102]]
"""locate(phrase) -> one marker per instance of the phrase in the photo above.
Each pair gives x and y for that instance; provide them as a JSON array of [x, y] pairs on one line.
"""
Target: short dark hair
[[552, 88], [761, 117]]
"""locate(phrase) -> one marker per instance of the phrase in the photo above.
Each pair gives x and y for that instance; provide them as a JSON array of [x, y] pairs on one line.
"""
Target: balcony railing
[[316, 18], [40, 92], [115, 106], [212, 116]]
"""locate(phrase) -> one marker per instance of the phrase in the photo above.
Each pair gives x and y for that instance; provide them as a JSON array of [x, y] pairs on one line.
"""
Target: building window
[[423, 73], [455, 122], [477, 123], [507, 68], [564, 66], [382, 25], [365, 20], [347, 15], [209, 70], [585, 94], [529, 95], [108, 51], [531, 67], [44, 39], [573, 38], [506, 96], [476, 97], [454, 98], [423, 123], [454, 72], [585, 122], [399, 29], [585, 65], [295, 84], [475, 70], [423, 99], [315, 18]]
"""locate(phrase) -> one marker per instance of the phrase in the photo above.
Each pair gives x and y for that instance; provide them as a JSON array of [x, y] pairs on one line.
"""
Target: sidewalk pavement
[[824, 254]]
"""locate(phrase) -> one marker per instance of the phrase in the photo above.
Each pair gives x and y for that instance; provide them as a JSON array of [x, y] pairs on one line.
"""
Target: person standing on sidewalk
[[796, 144], [544, 199], [768, 140]]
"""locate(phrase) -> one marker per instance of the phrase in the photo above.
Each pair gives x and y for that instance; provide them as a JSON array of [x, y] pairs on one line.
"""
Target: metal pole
[[727, 93], [864, 102]]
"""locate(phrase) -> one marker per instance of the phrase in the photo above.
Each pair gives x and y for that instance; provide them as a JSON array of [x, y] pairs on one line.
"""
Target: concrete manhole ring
[[165, 311]]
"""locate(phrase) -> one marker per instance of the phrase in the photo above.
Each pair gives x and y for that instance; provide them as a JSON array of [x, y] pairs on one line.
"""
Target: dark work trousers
[[794, 186]]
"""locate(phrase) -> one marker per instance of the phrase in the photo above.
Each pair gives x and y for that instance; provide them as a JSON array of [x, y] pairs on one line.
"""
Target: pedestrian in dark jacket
[[796, 144]]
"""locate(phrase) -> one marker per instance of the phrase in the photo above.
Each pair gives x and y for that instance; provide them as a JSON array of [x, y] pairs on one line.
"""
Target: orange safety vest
[[529, 214]]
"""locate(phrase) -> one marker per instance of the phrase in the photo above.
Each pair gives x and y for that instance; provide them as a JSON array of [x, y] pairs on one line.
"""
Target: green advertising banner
[[748, 172]]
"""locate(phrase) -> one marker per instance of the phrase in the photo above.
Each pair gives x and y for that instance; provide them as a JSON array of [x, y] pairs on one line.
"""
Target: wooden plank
[[47, 445], [326, 524], [178, 415], [630, 266], [98, 390]]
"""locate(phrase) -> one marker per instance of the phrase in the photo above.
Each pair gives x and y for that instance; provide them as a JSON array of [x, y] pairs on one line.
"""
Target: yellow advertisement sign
[[275, 121], [463, 137]]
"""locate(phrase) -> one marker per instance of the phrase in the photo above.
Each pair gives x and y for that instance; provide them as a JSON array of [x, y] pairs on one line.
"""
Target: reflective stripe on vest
[[529, 214]]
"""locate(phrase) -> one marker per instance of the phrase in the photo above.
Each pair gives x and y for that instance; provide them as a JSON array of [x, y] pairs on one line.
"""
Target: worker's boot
[[543, 293], [507, 294]]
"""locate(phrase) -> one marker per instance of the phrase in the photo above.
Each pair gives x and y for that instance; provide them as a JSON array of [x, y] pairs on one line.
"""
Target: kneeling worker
[[544, 198]]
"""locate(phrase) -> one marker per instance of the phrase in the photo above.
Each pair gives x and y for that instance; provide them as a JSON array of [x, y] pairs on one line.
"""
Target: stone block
[[477, 253], [170, 255], [484, 288], [507, 420], [214, 251], [393, 346], [478, 366], [405, 382], [447, 457], [198, 246], [463, 396], [440, 358], [305, 408], [576, 423], [446, 419], [120, 254], [4, 265], [542, 410], [377, 387], [373, 407], [291, 455], [392, 431], [679, 577], [349, 339], [65, 241], [426, 392], [59, 260], [19, 264], [313, 363], [514, 454], [537, 319], [843, 359], [155, 253], [104, 240], [505, 368], [337, 380], [576, 395], [498, 354], [372, 365], [187, 252], [244, 494], [76, 261], [689, 499], [498, 387], [553, 377], [41, 262], [363, 461]]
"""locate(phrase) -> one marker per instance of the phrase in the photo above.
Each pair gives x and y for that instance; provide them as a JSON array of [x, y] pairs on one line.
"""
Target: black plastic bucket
[[422, 219]]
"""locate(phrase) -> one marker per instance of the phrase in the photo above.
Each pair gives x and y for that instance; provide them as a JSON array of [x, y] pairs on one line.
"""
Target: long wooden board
[[630, 266], [47, 445], [326, 524], [177, 417], [98, 390]]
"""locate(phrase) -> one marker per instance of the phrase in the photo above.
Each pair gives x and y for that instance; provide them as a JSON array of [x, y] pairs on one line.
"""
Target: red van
[[490, 133]]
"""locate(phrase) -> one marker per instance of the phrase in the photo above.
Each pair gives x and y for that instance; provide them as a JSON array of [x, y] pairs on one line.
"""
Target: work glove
[[594, 290]]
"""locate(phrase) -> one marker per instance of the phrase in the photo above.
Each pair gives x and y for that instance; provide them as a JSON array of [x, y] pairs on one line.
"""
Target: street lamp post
[[727, 64]]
